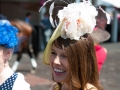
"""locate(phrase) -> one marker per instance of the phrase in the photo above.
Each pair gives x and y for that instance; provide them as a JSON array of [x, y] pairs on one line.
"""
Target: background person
[[47, 29], [8, 40], [28, 18], [100, 36]]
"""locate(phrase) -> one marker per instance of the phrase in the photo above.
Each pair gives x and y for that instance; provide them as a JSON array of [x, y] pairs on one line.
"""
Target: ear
[[8, 54]]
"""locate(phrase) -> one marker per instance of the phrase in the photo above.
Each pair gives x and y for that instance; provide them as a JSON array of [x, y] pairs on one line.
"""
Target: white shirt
[[20, 83]]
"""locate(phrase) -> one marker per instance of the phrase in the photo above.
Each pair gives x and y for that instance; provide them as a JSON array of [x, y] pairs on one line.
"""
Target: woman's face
[[59, 65], [101, 23]]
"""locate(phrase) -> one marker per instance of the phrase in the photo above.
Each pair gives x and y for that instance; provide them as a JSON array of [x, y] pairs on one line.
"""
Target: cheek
[[66, 64], [1, 60], [1, 55]]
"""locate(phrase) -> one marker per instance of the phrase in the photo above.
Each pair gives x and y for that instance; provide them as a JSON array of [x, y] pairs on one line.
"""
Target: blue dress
[[8, 84]]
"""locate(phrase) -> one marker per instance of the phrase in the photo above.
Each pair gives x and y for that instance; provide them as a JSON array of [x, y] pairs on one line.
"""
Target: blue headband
[[8, 34]]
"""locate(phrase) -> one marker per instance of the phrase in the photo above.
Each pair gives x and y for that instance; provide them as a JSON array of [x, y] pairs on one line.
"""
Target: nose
[[57, 61]]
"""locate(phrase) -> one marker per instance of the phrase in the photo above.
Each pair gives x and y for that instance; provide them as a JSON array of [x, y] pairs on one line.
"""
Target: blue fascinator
[[8, 34]]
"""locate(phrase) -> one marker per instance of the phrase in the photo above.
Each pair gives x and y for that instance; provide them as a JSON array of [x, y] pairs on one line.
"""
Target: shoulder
[[20, 76], [20, 83], [54, 86], [90, 86]]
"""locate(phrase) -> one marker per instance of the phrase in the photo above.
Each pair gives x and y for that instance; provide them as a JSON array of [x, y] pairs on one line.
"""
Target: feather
[[51, 21], [56, 23], [64, 1], [51, 8], [44, 5], [50, 12]]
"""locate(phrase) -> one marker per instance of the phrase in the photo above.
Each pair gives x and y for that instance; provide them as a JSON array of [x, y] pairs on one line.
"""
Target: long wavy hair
[[82, 61]]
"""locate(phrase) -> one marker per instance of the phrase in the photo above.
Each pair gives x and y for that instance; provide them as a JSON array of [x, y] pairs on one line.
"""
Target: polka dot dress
[[8, 84]]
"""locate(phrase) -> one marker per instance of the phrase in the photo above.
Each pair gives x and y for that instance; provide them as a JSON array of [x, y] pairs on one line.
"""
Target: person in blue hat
[[8, 41]]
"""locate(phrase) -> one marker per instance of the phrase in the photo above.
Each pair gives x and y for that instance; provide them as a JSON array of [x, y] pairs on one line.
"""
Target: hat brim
[[100, 35], [55, 35]]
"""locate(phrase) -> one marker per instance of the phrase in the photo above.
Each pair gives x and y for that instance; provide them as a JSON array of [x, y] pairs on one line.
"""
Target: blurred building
[[17, 9]]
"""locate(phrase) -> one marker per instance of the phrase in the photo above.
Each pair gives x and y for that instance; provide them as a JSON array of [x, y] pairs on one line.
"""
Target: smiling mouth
[[58, 72]]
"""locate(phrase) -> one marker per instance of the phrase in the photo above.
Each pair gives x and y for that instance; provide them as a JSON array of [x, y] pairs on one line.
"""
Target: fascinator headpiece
[[8, 34], [75, 20]]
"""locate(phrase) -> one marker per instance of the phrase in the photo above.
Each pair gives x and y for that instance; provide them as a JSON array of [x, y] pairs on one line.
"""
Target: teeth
[[58, 70]]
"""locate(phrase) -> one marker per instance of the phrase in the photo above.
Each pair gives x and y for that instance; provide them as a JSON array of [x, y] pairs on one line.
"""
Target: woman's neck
[[3, 67], [66, 86], [5, 74]]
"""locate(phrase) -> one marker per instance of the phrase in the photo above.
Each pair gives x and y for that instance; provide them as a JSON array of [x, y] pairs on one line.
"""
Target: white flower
[[79, 19]]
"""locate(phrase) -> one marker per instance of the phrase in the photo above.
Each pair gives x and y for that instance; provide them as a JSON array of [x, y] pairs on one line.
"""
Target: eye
[[53, 53], [64, 56]]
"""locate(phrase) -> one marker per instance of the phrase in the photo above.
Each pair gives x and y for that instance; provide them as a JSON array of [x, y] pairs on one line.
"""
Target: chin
[[60, 78], [56, 79]]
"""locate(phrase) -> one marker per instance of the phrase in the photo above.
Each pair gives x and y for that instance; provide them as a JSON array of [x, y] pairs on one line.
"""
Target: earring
[[5, 63]]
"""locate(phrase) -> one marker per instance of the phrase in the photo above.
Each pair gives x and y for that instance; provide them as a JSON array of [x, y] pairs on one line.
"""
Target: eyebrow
[[52, 50], [61, 53]]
